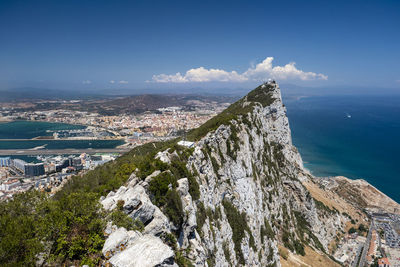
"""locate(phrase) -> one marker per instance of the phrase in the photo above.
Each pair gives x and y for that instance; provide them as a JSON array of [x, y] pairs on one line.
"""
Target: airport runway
[[11, 152]]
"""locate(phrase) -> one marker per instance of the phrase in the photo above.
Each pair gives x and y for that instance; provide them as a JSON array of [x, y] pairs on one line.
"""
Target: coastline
[[331, 144], [360, 193]]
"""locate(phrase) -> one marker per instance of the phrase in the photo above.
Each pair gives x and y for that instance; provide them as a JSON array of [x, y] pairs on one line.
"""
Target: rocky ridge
[[251, 197]]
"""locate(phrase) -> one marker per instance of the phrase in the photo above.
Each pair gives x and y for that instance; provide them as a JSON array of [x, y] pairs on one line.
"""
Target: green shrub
[[181, 260], [322, 206], [303, 229], [352, 230], [299, 247], [173, 207], [201, 217], [270, 233], [159, 186], [362, 228], [227, 254], [19, 236], [120, 219], [170, 240], [286, 239], [238, 223], [194, 189]]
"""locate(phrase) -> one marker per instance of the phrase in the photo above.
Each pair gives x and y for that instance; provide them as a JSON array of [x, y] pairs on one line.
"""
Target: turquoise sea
[[352, 136], [31, 129]]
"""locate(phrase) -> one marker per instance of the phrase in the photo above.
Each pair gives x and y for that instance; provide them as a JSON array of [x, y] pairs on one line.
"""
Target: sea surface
[[352, 136], [31, 129]]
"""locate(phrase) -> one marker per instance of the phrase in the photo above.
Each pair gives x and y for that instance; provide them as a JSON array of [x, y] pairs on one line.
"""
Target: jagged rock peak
[[234, 197]]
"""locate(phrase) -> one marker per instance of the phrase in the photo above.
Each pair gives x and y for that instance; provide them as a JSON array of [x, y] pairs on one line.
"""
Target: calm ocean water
[[29, 129], [352, 136]]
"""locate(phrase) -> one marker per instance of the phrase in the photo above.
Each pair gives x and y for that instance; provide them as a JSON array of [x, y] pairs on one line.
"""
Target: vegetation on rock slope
[[261, 95], [68, 227]]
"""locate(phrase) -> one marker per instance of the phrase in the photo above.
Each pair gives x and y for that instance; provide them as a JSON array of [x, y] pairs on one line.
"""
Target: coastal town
[[48, 172], [134, 129]]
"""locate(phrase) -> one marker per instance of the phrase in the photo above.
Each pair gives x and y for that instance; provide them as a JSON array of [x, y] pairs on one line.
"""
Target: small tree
[[352, 230], [362, 228]]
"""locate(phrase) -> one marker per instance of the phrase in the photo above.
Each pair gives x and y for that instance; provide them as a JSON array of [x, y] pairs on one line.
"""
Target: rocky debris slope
[[362, 194], [250, 196]]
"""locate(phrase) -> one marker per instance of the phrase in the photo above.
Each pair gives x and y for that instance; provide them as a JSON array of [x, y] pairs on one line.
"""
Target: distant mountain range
[[30, 93], [115, 105], [291, 91]]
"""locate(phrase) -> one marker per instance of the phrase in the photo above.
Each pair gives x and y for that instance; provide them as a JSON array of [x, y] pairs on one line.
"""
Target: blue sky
[[144, 44]]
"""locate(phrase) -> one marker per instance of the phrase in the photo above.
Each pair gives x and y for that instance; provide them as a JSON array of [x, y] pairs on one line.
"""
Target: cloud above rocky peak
[[260, 72]]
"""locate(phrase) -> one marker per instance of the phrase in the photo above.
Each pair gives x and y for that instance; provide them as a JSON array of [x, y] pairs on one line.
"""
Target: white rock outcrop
[[130, 248]]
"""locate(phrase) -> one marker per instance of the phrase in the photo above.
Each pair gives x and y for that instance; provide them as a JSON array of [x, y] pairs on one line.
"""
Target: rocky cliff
[[232, 199]]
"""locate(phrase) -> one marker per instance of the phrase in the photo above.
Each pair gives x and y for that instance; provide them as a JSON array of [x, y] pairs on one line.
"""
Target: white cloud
[[265, 70], [123, 82], [200, 75], [261, 71], [86, 82], [112, 81]]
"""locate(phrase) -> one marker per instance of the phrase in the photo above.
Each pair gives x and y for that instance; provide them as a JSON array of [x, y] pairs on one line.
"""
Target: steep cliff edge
[[232, 199]]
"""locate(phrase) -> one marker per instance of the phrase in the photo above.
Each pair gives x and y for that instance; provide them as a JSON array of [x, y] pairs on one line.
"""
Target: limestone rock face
[[138, 206], [251, 197], [118, 240], [146, 251], [130, 248]]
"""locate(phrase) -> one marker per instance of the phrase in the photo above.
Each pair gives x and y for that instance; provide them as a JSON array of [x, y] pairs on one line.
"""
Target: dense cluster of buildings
[[19, 166], [17, 175], [349, 249], [390, 225], [384, 245], [136, 129], [381, 246]]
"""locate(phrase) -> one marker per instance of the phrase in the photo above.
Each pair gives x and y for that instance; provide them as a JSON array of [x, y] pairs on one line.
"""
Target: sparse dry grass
[[311, 259], [332, 200]]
